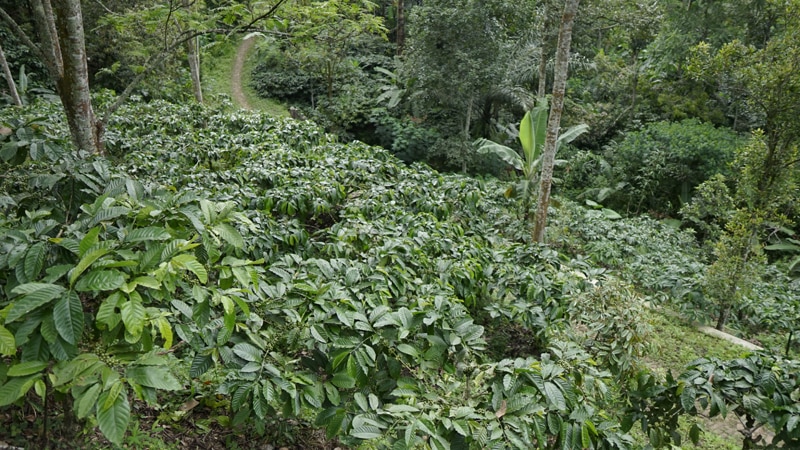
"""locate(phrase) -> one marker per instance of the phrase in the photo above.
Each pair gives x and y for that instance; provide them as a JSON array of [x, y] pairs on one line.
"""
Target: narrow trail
[[236, 72]]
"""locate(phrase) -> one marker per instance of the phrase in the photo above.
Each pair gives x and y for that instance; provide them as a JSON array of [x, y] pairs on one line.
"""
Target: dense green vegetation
[[259, 279]]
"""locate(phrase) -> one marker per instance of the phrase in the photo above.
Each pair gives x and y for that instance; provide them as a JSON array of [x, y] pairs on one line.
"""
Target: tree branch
[[23, 37]]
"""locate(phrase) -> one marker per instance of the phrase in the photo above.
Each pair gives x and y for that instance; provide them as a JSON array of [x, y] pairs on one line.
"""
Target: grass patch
[[675, 343]]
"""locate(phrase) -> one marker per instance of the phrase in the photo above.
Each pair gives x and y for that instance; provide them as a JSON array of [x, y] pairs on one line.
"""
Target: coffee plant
[[265, 270]]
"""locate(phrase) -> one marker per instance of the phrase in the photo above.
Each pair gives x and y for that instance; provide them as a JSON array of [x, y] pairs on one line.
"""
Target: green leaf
[[783, 246], [229, 234], [366, 432], [88, 241], [113, 421], [694, 433], [147, 234], [107, 312], [7, 343], [408, 350], [34, 260], [687, 398], [87, 400], [157, 377], [87, 260], [247, 352], [508, 155], [200, 365], [36, 295], [532, 131], [571, 134], [15, 388], [554, 395], [343, 381], [190, 263], [26, 368], [133, 315], [68, 317], [107, 214], [100, 280]]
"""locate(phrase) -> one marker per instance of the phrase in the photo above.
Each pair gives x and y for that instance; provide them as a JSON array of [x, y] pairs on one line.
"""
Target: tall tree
[[554, 120], [764, 80]]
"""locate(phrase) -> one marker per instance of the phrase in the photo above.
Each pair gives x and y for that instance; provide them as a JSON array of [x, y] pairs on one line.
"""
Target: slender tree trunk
[[193, 55], [12, 87], [540, 92], [554, 120], [400, 35], [194, 68], [543, 46], [466, 146], [635, 81], [73, 85]]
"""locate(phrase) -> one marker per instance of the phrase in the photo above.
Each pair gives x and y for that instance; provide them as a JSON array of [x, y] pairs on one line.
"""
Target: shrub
[[662, 164]]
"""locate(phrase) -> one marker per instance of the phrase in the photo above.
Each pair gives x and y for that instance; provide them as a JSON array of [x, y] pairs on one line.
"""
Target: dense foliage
[[235, 254], [270, 274]]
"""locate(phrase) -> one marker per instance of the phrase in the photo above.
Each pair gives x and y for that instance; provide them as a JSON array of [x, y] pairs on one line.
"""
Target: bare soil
[[236, 73]]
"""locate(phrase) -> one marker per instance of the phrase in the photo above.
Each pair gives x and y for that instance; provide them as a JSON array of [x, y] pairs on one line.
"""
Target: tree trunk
[[12, 87], [73, 84], [540, 93], [556, 107], [466, 143], [400, 35], [543, 46], [193, 55], [194, 68]]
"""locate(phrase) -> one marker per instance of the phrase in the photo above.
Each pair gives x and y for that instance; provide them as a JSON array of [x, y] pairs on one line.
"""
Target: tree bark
[[542, 71], [193, 55], [194, 68], [554, 120], [542, 88], [12, 87], [466, 145], [73, 85], [400, 36]]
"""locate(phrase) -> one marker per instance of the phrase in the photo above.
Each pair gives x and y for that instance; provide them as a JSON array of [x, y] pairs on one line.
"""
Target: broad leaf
[[190, 263], [571, 134], [87, 260], [34, 260], [7, 345], [157, 377], [554, 395], [147, 234], [113, 421], [247, 352], [87, 401], [507, 154], [229, 234], [100, 280], [532, 131], [15, 388], [68, 317], [26, 368], [133, 315], [36, 295]]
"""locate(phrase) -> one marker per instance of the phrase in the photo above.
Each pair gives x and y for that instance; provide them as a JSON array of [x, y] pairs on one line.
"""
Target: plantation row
[[257, 259]]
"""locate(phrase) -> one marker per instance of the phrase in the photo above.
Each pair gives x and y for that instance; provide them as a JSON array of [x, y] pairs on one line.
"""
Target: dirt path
[[236, 73]]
